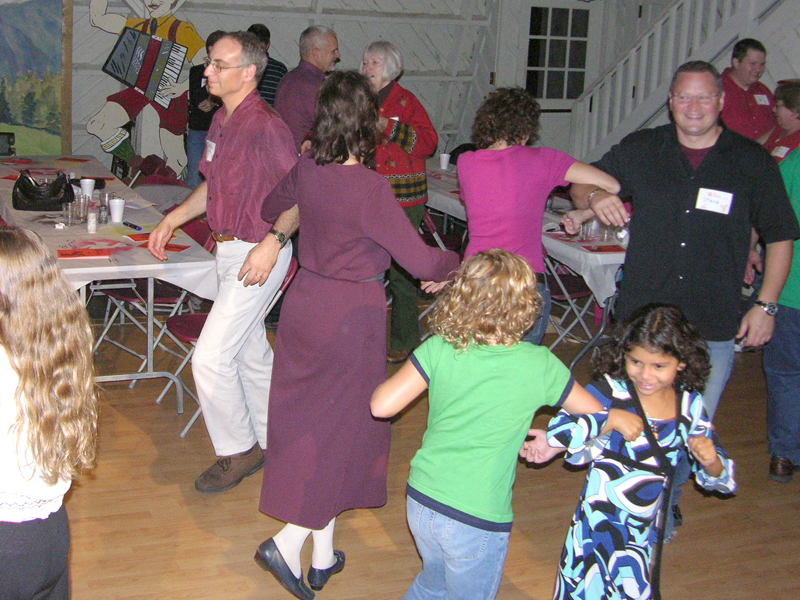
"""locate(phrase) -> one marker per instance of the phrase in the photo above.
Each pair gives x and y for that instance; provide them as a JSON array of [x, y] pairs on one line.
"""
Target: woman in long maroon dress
[[325, 453]]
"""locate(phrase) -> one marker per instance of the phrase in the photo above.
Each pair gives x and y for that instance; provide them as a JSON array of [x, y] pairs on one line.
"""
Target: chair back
[[198, 229]]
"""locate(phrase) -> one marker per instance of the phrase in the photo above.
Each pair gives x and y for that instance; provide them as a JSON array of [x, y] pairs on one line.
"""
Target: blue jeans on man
[[535, 334], [782, 368], [459, 562], [721, 357]]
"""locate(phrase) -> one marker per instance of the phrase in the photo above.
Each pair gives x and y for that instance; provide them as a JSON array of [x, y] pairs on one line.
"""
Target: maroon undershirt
[[695, 156]]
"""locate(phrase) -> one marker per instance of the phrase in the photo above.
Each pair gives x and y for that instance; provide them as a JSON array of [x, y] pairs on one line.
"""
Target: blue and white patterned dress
[[607, 553]]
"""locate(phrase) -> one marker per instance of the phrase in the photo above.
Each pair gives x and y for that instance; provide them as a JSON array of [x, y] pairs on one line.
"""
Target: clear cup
[[116, 207], [82, 208], [68, 213]]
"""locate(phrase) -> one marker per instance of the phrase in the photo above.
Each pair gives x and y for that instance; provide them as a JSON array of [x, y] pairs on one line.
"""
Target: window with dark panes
[[557, 49]]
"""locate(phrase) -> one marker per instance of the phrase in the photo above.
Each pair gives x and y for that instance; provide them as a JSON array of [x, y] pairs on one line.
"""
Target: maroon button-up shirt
[[243, 160], [296, 99]]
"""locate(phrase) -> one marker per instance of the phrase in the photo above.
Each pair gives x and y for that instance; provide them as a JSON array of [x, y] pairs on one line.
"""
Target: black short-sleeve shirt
[[685, 255]]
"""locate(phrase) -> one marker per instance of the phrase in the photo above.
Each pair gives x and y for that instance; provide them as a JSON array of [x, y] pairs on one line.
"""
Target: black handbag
[[30, 195]]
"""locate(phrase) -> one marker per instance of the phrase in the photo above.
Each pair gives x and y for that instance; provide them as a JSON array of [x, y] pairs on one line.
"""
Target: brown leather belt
[[218, 237]]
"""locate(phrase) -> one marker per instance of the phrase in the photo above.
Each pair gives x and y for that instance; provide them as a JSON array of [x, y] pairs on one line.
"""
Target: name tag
[[780, 151], [203, 82], [761, 99], [210, 148], [714, 201]]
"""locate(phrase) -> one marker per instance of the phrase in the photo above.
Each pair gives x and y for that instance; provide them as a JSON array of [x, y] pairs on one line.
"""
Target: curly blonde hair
[[45, 330], [492, 300]]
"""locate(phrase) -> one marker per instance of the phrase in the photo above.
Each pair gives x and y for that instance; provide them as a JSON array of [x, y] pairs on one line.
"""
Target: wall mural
[[30, 74], [150, 52]]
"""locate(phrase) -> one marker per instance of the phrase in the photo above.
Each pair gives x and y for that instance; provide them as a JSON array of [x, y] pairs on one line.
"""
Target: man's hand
[[609, 209], [756, 326], [260, 261], [754, 263], [159, 237], [537, 450]]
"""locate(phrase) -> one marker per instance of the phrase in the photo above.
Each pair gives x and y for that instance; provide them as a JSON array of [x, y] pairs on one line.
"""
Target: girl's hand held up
[[702, 448]]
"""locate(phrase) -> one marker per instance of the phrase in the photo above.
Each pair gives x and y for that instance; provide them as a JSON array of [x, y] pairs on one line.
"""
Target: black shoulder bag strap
[[669, 473]]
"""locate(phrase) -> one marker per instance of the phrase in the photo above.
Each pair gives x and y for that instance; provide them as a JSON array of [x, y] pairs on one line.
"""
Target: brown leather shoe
[[780, 469], [228, 471], [395, 357]]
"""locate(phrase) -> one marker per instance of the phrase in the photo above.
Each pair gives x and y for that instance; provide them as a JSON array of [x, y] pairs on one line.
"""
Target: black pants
[[33, 559]]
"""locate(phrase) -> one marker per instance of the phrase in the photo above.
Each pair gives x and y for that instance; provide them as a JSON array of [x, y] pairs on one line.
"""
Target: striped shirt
[[270, 79]]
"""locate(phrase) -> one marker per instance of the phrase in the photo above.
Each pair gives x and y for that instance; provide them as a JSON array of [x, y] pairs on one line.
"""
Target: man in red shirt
[[748, 102], [248, 151]]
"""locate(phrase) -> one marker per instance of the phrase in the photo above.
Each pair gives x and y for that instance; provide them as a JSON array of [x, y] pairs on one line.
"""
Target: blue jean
[[459, 562], [195, 145], [782, 367], [721, 357], [535, 334]]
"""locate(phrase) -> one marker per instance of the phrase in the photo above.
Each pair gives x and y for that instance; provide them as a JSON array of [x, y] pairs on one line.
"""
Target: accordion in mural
[[146, 63]]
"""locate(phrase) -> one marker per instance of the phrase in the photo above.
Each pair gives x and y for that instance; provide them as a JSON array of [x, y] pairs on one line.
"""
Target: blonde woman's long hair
[[45, 331], [492, 300]]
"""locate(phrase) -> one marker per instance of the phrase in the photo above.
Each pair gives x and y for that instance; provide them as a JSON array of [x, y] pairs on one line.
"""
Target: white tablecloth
[[443, 191], [192, 269], [597, 268]]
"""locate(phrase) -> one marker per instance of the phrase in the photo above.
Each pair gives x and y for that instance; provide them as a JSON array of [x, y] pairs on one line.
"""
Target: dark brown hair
[[510, 114], [346, 120], [788, 92], [742, 46], [658, 328]]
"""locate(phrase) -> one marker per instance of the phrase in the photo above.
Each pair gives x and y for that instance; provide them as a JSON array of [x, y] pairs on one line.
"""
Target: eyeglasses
[[218, 67], [704, 99]]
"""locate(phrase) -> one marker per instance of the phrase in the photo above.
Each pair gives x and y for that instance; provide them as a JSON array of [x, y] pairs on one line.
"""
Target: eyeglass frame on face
[[207, 62], [704, 100]]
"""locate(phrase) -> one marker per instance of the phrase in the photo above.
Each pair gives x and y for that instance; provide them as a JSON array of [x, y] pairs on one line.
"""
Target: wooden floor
[[140, 530]]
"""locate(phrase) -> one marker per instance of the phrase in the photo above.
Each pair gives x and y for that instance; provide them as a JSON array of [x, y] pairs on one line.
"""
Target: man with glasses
[[248, 151], [697, 189]]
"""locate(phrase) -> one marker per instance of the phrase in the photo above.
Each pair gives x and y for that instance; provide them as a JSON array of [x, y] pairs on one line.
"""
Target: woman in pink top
[[505, 183]]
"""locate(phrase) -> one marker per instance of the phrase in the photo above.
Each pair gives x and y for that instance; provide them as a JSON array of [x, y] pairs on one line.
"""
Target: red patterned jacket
[[409, 138]]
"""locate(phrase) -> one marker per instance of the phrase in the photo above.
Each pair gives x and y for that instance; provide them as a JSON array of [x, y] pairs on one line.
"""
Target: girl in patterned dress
[[613, 545]]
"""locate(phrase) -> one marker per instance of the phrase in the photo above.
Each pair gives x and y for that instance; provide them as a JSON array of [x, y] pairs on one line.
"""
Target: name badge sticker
[[761, 99], [210, 148], [714, 201], [780, 151]]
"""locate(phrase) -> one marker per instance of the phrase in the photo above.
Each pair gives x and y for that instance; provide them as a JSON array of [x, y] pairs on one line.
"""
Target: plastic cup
[[87, 187], [81, 208], [444, 161], [68, 213], [116, 206]]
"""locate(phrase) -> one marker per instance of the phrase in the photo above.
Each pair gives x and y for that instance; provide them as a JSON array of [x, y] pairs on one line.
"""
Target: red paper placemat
[[84, 253]]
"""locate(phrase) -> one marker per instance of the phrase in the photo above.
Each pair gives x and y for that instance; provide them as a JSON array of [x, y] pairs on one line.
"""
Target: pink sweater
[[505, 192]]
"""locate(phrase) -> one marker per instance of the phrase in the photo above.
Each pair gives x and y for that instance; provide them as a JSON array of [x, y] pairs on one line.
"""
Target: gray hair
[[254, 52], [311, 37], [392, 60], [697, 66]]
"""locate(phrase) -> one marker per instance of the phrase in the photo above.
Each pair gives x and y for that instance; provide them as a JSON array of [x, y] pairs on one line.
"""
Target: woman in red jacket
[[408, 138]]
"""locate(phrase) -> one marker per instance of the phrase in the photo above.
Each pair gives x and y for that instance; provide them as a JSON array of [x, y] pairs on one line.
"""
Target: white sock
[[323, 547], [289, 541]]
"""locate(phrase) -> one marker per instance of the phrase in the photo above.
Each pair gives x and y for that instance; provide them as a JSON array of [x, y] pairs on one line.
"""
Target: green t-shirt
[[482, 401], [790, 169]]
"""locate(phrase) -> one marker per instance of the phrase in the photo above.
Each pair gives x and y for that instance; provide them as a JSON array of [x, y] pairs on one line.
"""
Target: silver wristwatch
[[280, 236], [769, 307]]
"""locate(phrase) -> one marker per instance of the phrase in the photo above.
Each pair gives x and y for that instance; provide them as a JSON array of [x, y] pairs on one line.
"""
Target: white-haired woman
[[407, 139]]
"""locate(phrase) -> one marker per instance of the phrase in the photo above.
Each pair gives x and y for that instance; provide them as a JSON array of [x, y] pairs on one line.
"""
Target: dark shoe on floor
[[780, 469], [228, 471], [677, 515], [317, 578], [395, 357], [269, 558]]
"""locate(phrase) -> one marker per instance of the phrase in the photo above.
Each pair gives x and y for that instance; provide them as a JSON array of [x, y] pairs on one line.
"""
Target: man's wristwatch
[[769, 307], [280, 236]]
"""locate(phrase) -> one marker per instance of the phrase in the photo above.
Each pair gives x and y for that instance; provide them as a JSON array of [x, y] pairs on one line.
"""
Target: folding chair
[[187, 329], [567, 288], [127, 300]]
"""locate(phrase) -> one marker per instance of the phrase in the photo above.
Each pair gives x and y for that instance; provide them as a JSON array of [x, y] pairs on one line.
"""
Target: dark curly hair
[[658, 328], [510, 114], [346, 121]]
